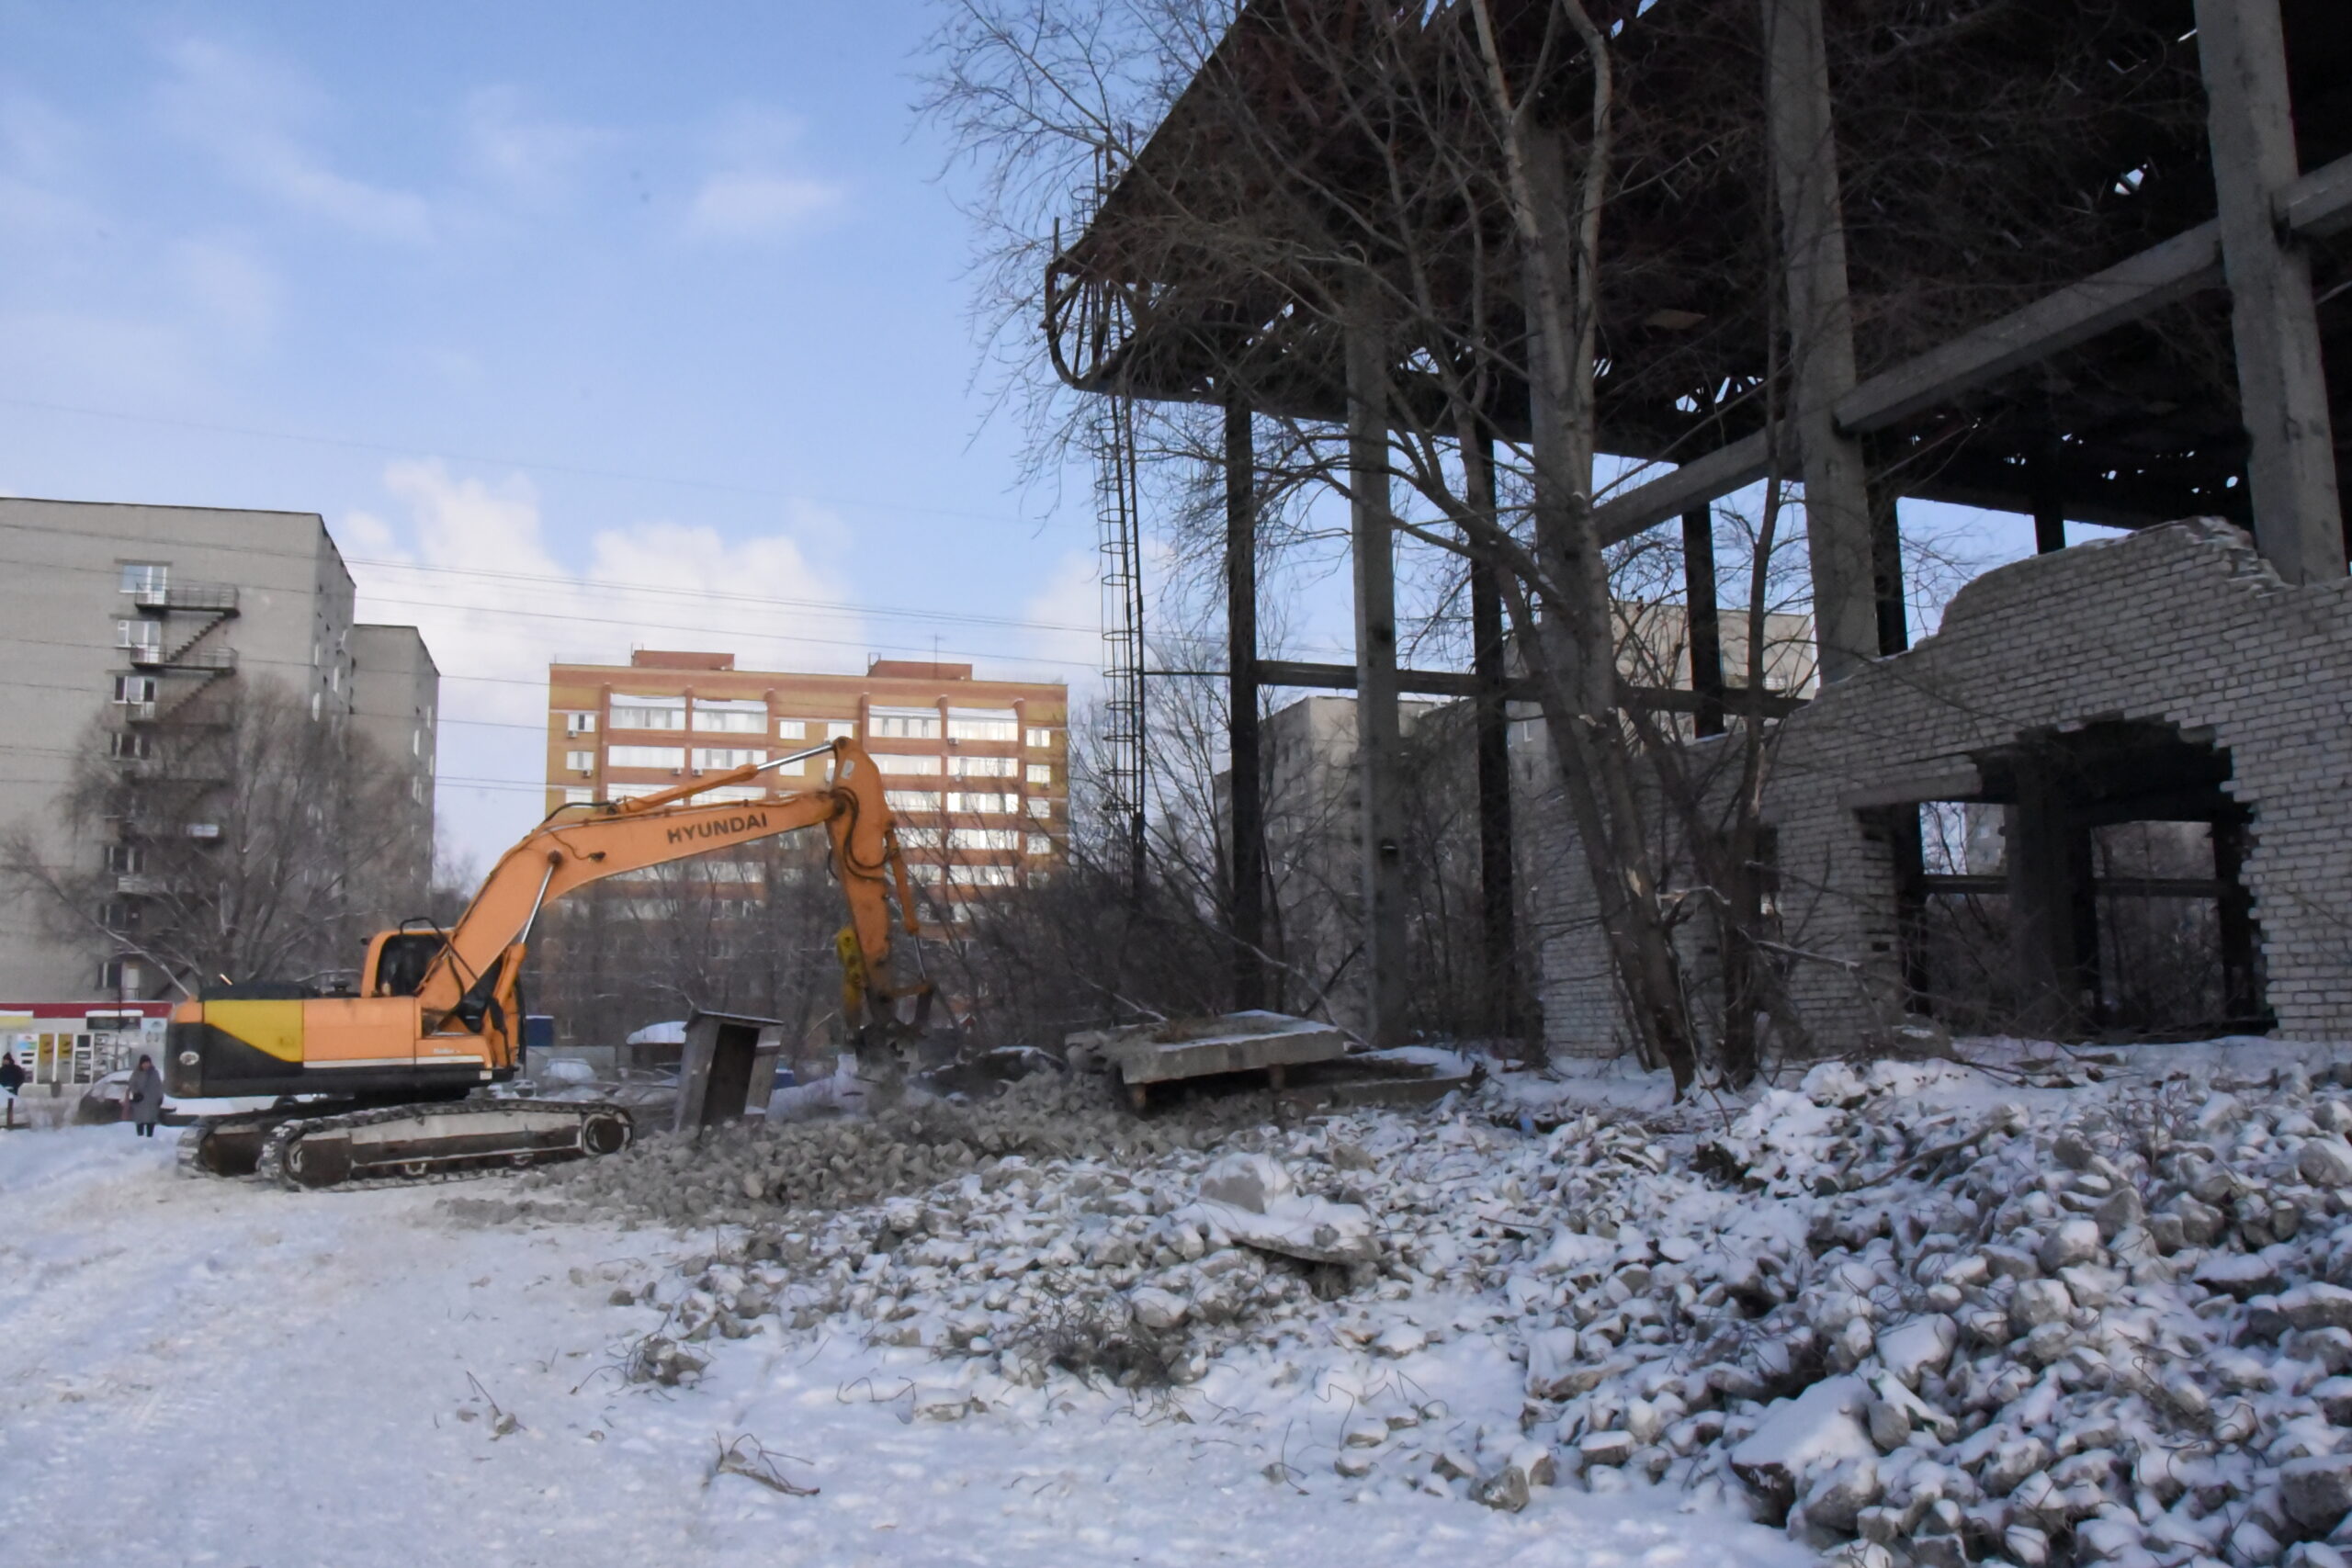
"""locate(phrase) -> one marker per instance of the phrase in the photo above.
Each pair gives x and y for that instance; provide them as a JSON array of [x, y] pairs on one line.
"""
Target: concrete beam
[[2316, 205], [2274, 323]]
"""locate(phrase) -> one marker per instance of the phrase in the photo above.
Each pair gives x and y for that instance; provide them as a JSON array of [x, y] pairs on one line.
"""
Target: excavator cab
[[399, 960]]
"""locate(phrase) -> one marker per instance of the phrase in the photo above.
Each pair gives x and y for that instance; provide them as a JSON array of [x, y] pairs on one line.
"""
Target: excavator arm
[[474, 969]]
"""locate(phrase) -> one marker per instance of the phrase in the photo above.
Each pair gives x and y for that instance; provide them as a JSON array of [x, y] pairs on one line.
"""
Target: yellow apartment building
[[978, 770]]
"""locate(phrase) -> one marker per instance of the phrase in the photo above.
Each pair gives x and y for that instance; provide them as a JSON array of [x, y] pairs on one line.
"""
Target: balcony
[[151, 655], [218, 598]]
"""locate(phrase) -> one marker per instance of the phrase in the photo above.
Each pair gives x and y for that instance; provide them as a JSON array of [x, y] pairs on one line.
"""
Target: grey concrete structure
[[113, 615], [2183, 631]]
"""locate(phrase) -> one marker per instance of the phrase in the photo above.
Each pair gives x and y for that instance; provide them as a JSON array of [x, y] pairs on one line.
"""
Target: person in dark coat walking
[[12, 1078], [142, 1098]]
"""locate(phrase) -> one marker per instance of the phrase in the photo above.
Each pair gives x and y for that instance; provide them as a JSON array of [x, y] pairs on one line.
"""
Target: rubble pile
[[1908, 1319], [742, 1174]]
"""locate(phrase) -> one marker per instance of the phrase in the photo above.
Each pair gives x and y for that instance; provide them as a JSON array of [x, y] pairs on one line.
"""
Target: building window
[[134, 688], [905, 724], [923, 872], [722, 757], [580, 724], [983, 724], [730, 718], [979, 803], [919, 837], [121, 974], [646, 756], [792, 730], [316, 697], [1040, 806], [1040, 845], [126, 860], [841, 729], [911, 799], [129, 743], [579, 761], [1041, 772], [579, 797], [983, 839], [983, 767], [732, 793], [1040, 740], [138, 635], [648, 713], [416, 791], [630, 791], [149, 580], [789, 770], [898, 762], [980, 876]]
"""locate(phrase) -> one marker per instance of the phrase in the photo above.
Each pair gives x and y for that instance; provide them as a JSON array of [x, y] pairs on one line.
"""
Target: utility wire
[[528, 465]]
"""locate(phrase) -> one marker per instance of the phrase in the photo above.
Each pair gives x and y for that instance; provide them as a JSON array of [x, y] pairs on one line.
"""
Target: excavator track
[[226, 1146], [399, 1146]]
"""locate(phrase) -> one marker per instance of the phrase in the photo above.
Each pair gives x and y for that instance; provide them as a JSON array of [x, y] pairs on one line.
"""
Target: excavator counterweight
[[375, 1086]]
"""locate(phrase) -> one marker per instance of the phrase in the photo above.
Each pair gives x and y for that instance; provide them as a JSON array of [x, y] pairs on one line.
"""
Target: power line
[[577, 584], [527, 464]]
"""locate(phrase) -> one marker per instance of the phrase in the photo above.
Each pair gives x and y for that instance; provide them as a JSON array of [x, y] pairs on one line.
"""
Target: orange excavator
[[379, 1085]]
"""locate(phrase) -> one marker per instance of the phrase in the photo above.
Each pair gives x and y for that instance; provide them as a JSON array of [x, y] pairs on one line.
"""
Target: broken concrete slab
[[1257, 1041]]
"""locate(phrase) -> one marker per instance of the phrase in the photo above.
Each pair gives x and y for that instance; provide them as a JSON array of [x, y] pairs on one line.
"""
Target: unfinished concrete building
[[2084, 262]]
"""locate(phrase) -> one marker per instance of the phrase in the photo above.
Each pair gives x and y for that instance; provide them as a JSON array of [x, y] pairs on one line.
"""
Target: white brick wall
[[2183, 624]]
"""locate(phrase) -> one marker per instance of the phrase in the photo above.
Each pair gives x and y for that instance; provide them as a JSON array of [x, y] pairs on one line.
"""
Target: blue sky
[[595, 294], [656, 313]]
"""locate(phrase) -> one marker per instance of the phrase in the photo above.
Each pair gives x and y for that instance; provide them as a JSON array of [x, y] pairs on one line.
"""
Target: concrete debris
[[1914, 1320]]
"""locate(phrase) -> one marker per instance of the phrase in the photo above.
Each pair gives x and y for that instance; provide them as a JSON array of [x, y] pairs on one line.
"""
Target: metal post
[[1248, 812], [2282, 387], [1488, 664], [1703, 611], [1378, 741], [1804, 155]]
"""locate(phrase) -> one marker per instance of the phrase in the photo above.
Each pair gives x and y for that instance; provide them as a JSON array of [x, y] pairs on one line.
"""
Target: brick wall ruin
[[2183, 626]]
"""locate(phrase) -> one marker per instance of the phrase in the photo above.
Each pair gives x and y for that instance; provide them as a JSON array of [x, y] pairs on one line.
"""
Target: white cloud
[[658, 583], [250, 114], [527, 152], [752, 191], [738, 206], [1066, 610]]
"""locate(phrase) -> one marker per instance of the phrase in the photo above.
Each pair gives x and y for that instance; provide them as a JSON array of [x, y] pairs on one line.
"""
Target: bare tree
[[240, 840]]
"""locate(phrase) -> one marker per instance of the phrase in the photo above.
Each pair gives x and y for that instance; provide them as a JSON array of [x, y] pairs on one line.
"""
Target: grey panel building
[[112, 617]]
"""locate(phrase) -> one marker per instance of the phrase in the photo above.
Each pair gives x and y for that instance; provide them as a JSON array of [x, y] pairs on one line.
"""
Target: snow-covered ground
[[202, 1371]]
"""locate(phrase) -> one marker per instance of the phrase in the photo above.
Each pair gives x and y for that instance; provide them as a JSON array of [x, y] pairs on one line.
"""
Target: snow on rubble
[[2050, 1310], [1907, 1311]]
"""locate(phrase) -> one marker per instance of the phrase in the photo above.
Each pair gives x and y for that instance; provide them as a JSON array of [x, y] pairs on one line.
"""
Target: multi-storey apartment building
[[978, 770], [113, 619]]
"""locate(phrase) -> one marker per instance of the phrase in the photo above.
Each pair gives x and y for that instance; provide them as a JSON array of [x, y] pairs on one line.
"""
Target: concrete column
[[2048, 506], [1379, 742], [1891, 603], [1490, 665], [1701, 600], [2241, 941], [2282, 387], [1803, 156], [2043, 917], [1247, 821]]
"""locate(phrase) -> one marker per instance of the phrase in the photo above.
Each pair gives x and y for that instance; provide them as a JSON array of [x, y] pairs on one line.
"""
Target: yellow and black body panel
[[231, 1047]]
